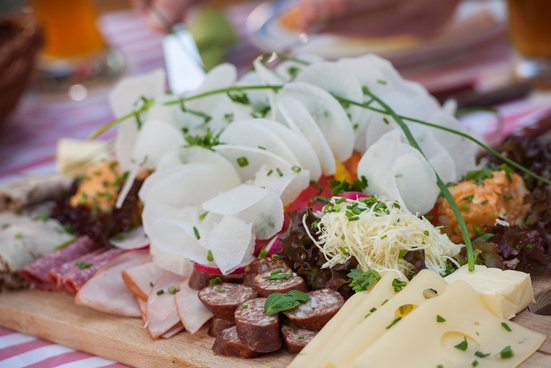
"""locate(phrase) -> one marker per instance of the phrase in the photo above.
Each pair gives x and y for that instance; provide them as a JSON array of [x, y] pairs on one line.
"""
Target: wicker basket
[[20, 41]]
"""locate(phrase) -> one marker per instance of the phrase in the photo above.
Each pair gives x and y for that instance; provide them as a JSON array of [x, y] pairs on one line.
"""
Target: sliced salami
[[218, 325], [314, 314], [259, 266], [259, 331], [278, 281], [296, 338], [36, 273], [200, 279], [228, 343], [223, 299]]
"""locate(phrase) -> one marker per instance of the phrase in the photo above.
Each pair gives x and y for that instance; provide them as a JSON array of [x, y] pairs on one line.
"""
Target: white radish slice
[[191, 309], [337, 80], [170, 261], [248, 160], [231, 243], [133, 239], [289, 69], [186, 185], [155, 210], [153, 141], [286, 183], [268, 76], [170, 159], [222, 76], [302, 150], [300, 121], [327, 113], [260, 207], [398, 171], [252, 133], [258, 98], [196, 154], [438, 156]]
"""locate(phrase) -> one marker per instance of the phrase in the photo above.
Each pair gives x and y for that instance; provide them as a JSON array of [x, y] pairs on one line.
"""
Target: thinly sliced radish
[[328, 115], [187, 184], [287, 184], [170, 159], [133, 239], [300, 121], [231, 243], [221, 76], [170, 260], [337, 80], [289, 69], [195, 154], [260, 207], [153, 141], [438, 156], [258, 98], [252, 133], [248, 160], [300, 147], [398, 171]]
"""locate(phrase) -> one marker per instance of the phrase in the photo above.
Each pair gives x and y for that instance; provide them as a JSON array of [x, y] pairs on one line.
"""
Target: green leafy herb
[[206, 117], [340, 186], [279, 172], [83, 264], [172, 290], [319, 199], [506, 327], [440, 319], [506, 352], [196, 233], [508, 196], [278, 302], [203, 215], [481, 354], [474, 363], [245, 306], [242, 161], [160, 292], [215, 281], [278, 274], [463, 345], [363, 280], [239, 97], [270, 172], [210, 257], [207, 140], [469, 198], [479, 175], [398, 285]]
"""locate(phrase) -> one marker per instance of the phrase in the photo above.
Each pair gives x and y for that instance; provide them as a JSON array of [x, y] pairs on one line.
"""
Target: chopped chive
[[469, 198], [261, 147], [506, 327], [296, 168], [262, 252], [426, 233], [160, 292], [203, 215], [19, 236], [394, 321], [245, 306], [506, 352], [210, 257], [474, 363], [279, 172], [508, 196], [196, 233], [463, 345], [270, 172], [481, 354], [484, 202], [440, 319], [83, 264], [215, 281], [172, 290], [242, 161]]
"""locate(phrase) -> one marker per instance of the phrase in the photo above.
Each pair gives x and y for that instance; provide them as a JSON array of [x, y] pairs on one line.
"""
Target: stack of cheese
[[429, 323]]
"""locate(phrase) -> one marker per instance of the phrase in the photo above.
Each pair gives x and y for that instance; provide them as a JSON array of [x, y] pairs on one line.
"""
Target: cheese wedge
[[465, 332], [349, 316], [384, 316], [74, 156], [505, 292]]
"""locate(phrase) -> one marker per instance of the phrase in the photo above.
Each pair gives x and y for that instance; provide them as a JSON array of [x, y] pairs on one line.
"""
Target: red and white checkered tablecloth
[[28, 141]]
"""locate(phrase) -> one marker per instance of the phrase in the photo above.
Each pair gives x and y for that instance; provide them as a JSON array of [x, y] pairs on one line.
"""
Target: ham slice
[[191, 310], [106, 291], [140, 279], [36, 273], [173, 331], [72, 275], [162, 313]]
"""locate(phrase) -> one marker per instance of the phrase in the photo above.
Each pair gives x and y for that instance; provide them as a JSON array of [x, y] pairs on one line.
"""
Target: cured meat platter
[[54, 317]]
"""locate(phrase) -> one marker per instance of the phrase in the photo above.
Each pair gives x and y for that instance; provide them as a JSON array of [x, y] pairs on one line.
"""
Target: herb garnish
[[19, 235], [463, 345], [203, 215], [239, 97], [83, 264], [196, 233], [263, 252], [242, 161], [394, 321], [296, 168], [363, 280], [338, 186], [215, 281], [65, 244], [172, 290], [506, 352], [160, 292], [210, 257], [481, 354], [278, 302], [506, 327], [440, 319], [278, 274], [398, 285]]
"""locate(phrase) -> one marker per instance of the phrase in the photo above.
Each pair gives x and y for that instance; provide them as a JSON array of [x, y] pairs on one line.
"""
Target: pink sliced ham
[[162, 313], [173, 331], [106, 291], [140, 279], [72, 275], [36, 273], [191, 310]]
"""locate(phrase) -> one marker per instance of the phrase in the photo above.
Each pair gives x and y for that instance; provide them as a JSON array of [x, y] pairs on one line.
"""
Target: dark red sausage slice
[[278, 281], [223, 299], [217, 325], [260, 332], [314, 314], [228, 343], [296, 338], [200, 279], [261, 265]]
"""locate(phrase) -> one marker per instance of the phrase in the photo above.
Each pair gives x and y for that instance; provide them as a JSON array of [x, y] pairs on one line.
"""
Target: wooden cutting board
[[54, 317]]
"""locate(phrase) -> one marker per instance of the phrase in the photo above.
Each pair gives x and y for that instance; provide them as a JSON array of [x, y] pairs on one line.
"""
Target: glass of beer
[[530, 33], [75, 50]]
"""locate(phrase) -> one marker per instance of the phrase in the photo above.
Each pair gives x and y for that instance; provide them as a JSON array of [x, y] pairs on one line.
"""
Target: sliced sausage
[[260, 332], [200, 279], [278, 281], [228, 343], [259, 266], [296, 338], [222, 299], [217, 325], [314, 314]]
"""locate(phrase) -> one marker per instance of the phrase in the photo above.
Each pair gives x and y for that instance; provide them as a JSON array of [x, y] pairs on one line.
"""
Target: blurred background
[[58, 58]]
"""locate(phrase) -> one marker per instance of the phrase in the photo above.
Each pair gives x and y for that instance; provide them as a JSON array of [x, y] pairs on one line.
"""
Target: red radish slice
[[353, 195]]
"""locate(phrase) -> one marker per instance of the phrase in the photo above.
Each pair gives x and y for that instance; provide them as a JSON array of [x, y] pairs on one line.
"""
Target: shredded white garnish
[[377, 233]]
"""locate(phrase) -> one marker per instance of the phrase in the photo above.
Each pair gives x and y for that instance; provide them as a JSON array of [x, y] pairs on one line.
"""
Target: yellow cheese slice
[[421, 341], [505, 292], [376, 324], [349, 316], [75, 156]]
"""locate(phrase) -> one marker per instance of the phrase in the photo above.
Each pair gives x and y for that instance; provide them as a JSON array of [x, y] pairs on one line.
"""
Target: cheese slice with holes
[[387, 313], [505, 292], [420, 340], [74, 156], [349, 316]]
